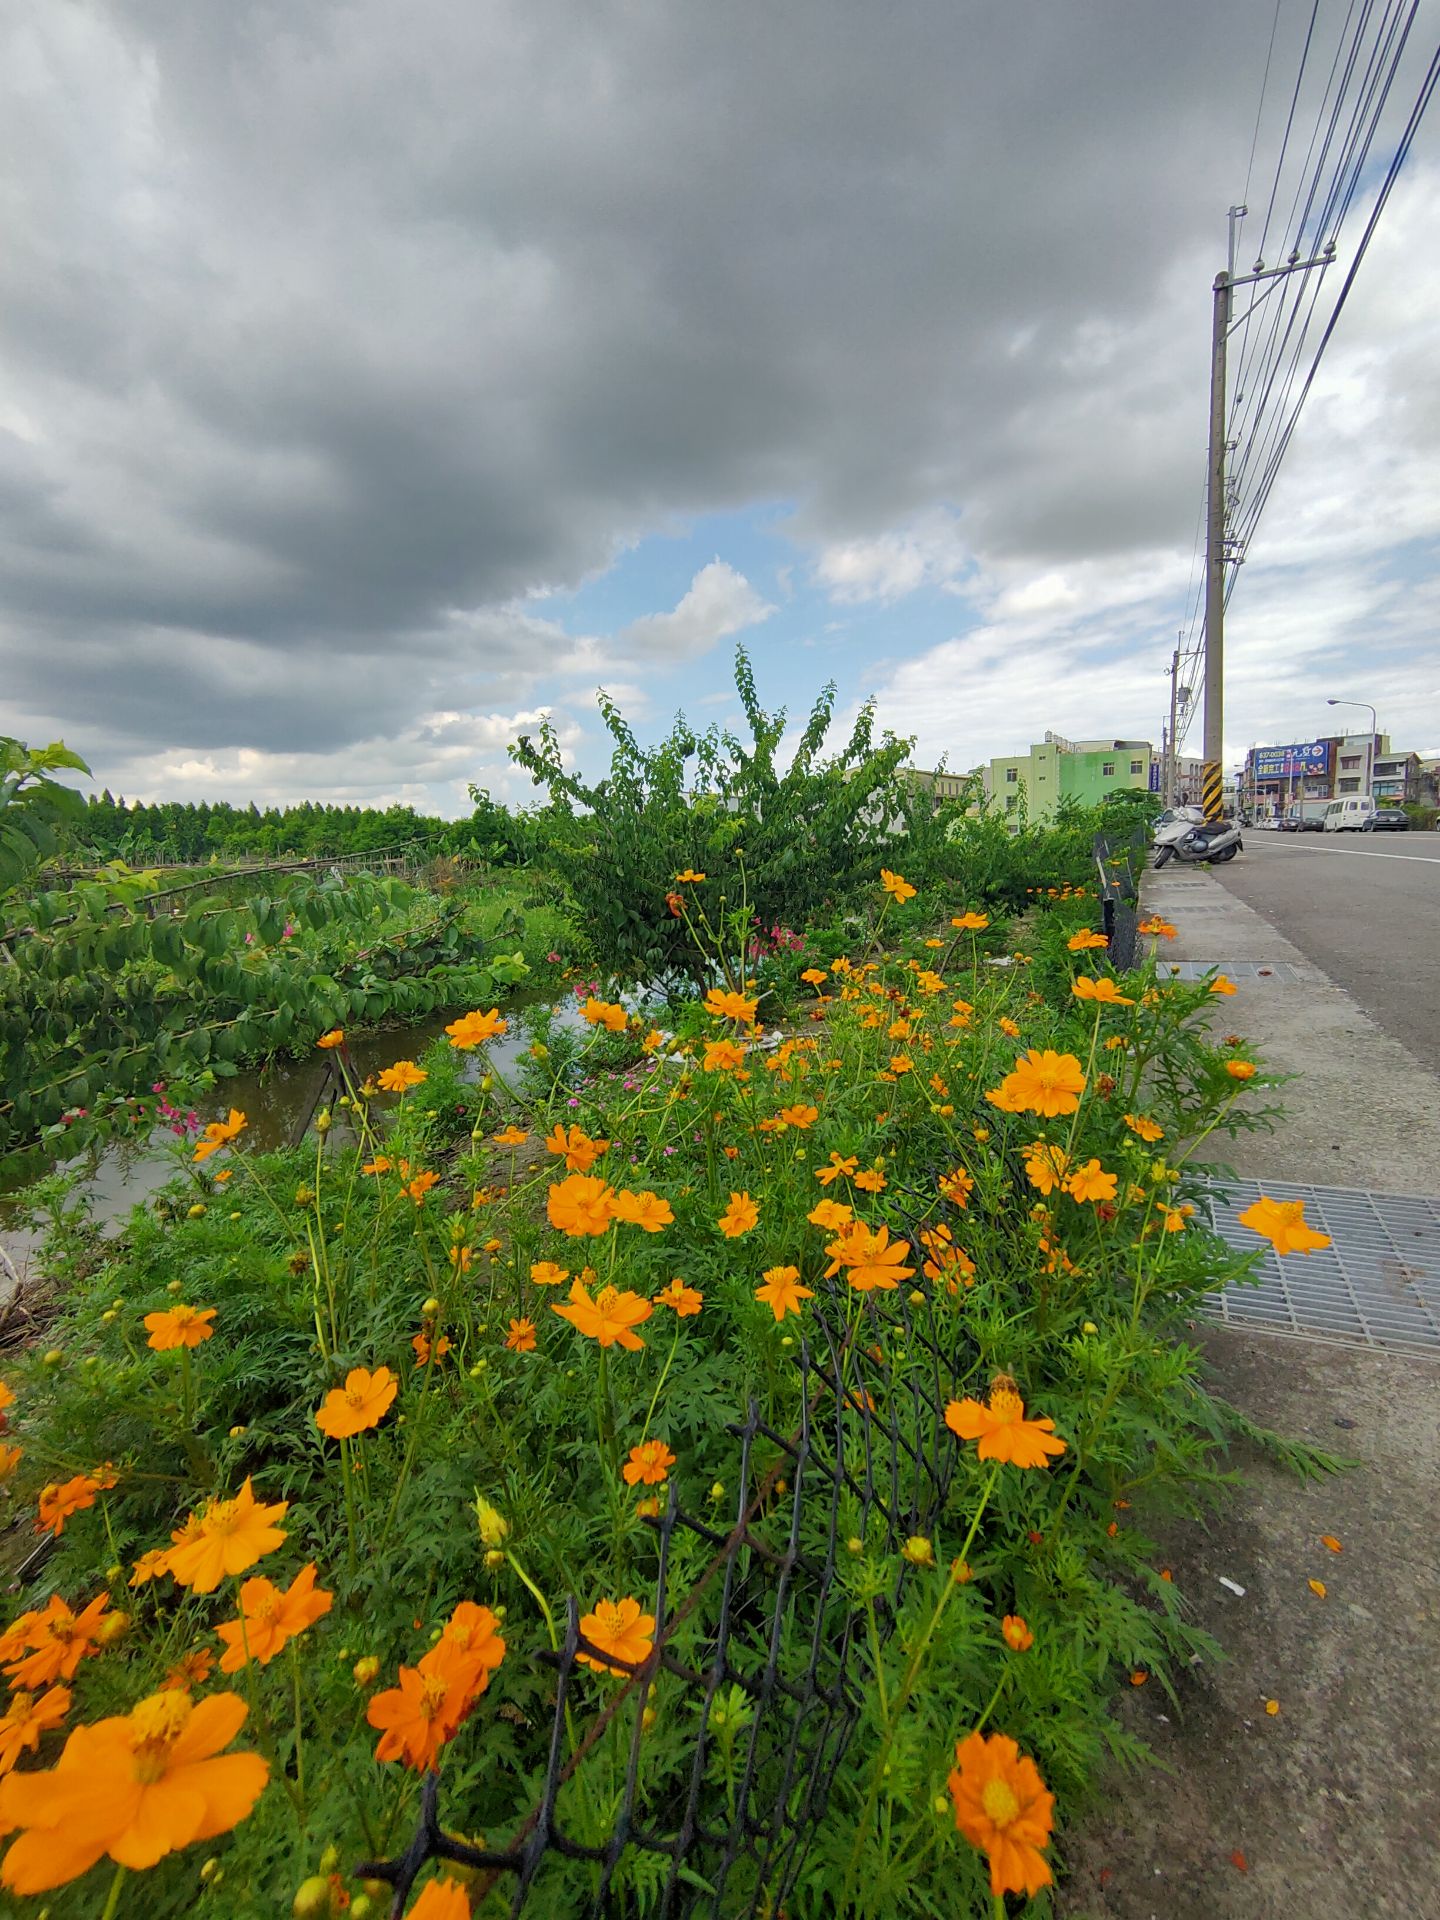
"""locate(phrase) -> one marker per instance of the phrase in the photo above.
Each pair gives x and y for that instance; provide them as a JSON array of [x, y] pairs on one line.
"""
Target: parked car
[[1390, 820], [1353, 814]]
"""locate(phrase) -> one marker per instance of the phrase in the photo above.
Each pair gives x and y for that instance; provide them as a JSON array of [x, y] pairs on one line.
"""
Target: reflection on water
[[278, 1102]]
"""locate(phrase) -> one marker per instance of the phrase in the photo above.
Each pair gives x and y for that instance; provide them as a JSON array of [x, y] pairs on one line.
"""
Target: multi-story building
[[1397, 777], [1057, 769]]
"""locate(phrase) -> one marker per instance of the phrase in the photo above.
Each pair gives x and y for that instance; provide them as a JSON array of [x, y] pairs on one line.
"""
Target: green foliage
[[35, 810], [112, 986]]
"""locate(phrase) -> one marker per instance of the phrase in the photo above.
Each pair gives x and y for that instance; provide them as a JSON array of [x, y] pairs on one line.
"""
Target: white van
[[1353, 814]]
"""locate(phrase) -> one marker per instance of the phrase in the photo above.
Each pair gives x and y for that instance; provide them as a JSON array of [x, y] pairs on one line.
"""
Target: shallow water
[[278, 1101]]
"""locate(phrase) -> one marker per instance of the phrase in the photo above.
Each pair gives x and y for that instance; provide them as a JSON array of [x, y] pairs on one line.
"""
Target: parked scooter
[[1188, 836]]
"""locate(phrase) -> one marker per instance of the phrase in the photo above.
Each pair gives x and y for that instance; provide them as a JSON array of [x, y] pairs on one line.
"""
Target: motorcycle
[[1189, 836]]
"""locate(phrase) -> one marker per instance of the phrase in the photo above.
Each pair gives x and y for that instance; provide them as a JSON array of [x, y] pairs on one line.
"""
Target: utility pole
[[1172, 756], [1216, 554]]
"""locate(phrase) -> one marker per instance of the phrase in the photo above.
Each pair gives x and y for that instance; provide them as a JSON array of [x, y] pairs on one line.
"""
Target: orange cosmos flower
[[380, 1164], [1083, 941], [814, 976], [620, 1629], [402, 1076], [900, 890], [28, 1717], [474, 1029], [1045, 1082], [731, 1006], [1003, 1809], [424, 1711], [971, 922], [1146, 1129], [947, 1261], [782, 1291], [191, 1670], [1156, 926], [135, 1787], [722, 1056], [799, 1116], [1241, 1069], [610, 1317], [179, 1327], [684, 1300], [646, 1210], [10, 1458], [58, 1639], [581, 1205], [58, 1503], [688, 878], [361, 1403], [511, 1136], [839, 1164], [227, 1536], [604, 1013], [957, 1187], [521, 1336], [417, 1188], [870, 1180], [271, 1616], [1091, 1182], [1002, 1429], [1282, 1223], [739, 1217], [1016, 1634], [424, 1346], [219, 1134], [1045, 1166], [442, 1900], [580, 1152], [1221, 985], [1103, 991], [870, 1260], [150, 1566], [651, 1462], [830, 1215], [335, 1038], [545, 1273]]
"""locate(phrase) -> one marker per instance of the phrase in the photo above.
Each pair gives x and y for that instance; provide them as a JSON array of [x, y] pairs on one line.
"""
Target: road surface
[[1366, 908]]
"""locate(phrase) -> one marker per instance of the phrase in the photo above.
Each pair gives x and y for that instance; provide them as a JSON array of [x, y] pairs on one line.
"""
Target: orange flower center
[[156, 1724], [354, 1398], [606, 1298], [1006, 1405], [998, 1799], [266, 1609], [433, 1690]]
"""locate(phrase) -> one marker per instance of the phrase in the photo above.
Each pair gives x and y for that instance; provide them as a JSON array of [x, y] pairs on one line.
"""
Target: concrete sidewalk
[[1325, 1809], [1365, 1112]]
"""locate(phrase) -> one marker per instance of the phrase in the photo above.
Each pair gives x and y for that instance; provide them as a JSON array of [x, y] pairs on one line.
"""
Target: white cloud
[[928, 553], [719, 602]]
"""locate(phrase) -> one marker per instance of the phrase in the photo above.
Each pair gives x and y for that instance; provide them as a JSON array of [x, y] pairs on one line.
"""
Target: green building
[[1057, 769]]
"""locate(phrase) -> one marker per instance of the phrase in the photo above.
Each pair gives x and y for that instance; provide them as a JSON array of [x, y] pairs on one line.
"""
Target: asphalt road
[[1366, 908]]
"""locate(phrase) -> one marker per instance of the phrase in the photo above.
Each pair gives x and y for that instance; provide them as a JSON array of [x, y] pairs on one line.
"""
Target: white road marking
[[1364, 853]]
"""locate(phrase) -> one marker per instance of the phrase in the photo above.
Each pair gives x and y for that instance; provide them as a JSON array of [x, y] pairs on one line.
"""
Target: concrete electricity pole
[[1216, 554], [1172, 755]]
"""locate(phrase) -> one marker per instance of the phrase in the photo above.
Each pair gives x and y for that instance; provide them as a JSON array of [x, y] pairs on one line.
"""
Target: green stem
[[654, 1398], [112, 1899]]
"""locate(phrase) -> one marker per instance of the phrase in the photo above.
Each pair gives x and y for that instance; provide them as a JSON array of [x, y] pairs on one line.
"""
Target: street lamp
[[1370, 749]]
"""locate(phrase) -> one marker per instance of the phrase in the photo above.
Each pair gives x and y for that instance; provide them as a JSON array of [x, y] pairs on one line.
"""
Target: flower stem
[[112, 1898]]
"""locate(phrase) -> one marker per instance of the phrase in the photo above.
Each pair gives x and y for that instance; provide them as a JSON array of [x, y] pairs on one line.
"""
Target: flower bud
[[494, 1527], [855, 1544], [322, 1122], [940, 1804], [918, 1551], [113, 1627], [1089, 1327], [176, 1286], [235, 1216], [236, 1432], [365, 1670], [362, 1907], [107, 1316], [960, 1572], [197, 1212], [114, 1573], [648, 1719], [432, 1305], [330, 1858], [717, 1492], [303, 1196], [312, 1901], [209, 1870], [494, 1560], [54, 1357]]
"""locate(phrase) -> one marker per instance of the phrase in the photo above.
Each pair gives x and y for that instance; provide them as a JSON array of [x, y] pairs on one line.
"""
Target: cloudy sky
[[373, 378]]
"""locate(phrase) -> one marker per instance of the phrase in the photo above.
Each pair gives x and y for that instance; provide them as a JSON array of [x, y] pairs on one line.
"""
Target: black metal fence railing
[[1120, 864], [767, 1638]]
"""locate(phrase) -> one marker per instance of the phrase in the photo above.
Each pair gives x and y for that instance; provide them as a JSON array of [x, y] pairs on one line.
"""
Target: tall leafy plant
[[778, 845]]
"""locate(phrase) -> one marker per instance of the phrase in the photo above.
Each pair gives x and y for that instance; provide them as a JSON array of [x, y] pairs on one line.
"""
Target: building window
[[1010, 800], [1137, 766], [1349, 760], [1349, 786], [1012, 774], [1107, 770]]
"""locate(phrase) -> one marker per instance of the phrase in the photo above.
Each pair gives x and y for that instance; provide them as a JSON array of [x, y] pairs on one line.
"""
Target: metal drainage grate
[[1282, 971], [1376, 1285]]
